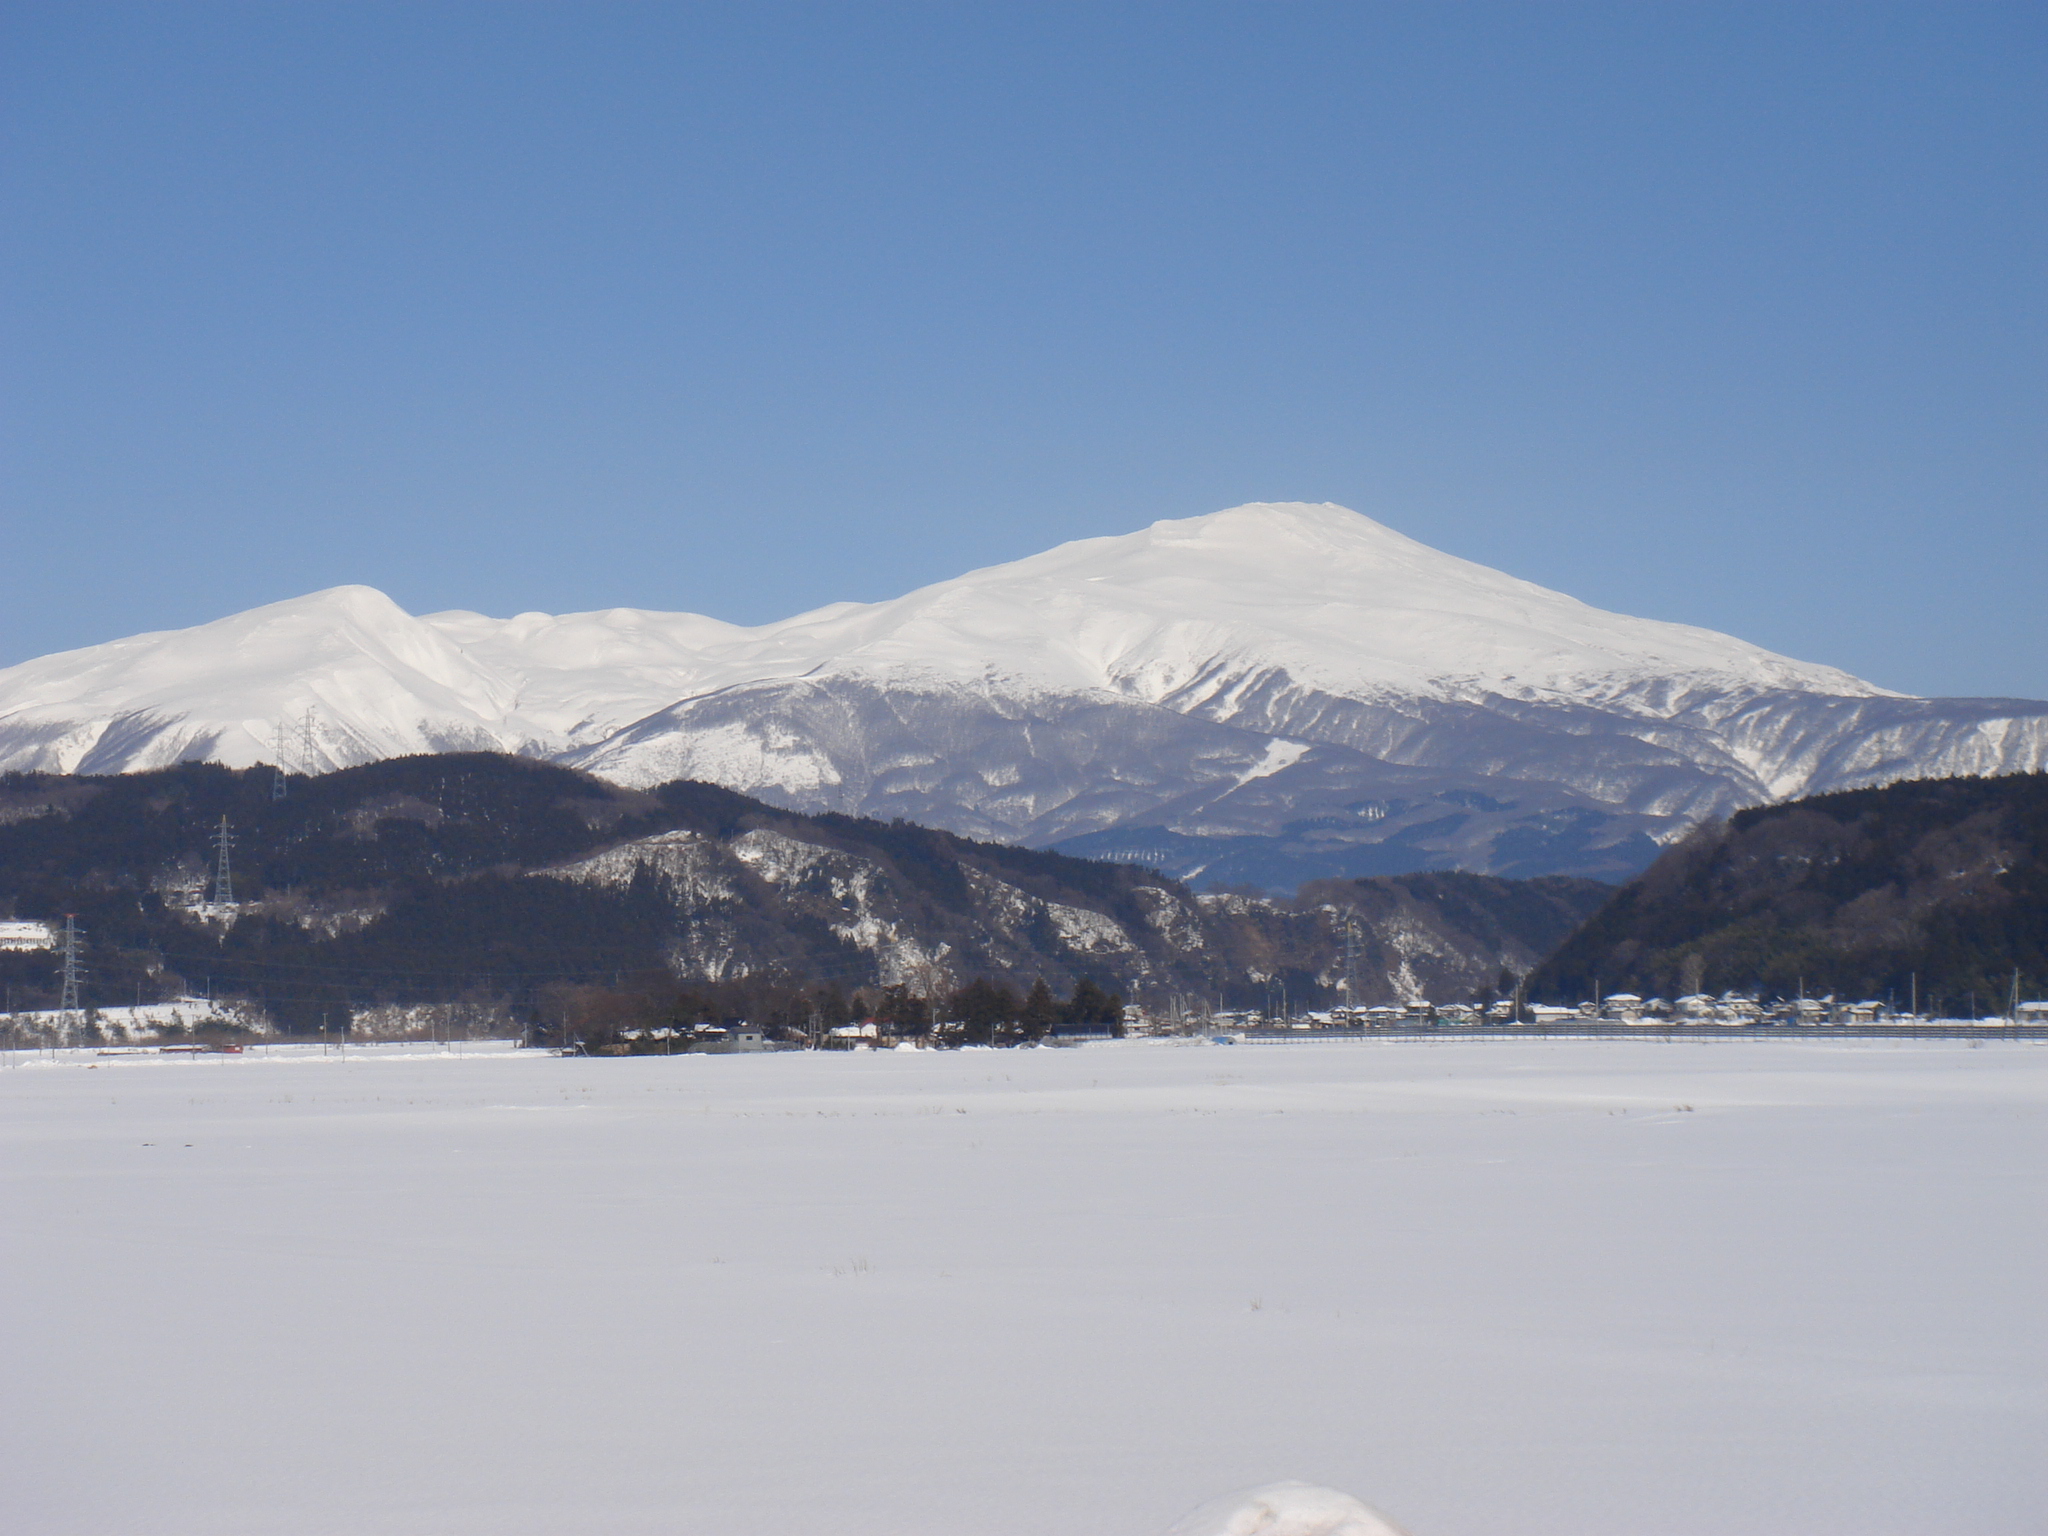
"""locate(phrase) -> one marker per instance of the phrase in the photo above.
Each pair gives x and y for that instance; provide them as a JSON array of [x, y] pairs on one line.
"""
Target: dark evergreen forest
[[1932, 888]]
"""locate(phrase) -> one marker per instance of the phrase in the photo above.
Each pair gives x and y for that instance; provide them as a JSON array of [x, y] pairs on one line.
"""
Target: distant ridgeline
[[453, 876], [1935, 886]]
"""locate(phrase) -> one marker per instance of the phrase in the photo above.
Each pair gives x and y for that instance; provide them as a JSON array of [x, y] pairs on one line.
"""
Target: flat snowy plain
[[1586, 1287]]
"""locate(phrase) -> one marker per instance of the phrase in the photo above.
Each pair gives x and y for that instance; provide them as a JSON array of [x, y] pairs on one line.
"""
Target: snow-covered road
[[1609, 1288]]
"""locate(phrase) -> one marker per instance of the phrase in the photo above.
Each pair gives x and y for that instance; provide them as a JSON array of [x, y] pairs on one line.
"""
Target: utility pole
[[69, 975], [223, 882]]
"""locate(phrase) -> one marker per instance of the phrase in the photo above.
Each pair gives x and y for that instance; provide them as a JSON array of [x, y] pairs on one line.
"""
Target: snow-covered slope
[[379, 683], [1267, 692]]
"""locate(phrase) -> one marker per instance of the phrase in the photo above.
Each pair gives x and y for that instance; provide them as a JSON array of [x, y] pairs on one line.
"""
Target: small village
[[204, 1022], [1729, 1009], [1615, 1010]]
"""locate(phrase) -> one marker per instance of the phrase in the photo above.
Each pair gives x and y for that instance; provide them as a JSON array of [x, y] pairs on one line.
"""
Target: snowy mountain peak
[[1336, 599], [372, 675], [1296, 530]]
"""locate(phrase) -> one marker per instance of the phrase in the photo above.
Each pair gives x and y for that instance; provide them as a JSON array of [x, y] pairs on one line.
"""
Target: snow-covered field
[[1495, 1288]]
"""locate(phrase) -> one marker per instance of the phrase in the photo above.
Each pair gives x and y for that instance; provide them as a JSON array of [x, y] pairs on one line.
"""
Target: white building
[[25, 936]]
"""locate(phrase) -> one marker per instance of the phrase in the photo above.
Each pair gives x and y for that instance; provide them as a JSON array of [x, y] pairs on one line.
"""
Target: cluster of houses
[[736, 1036], [1730, 1008], [733, 1038]]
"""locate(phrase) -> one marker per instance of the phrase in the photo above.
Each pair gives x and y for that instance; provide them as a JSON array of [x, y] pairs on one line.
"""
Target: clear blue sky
[[1730, 314]]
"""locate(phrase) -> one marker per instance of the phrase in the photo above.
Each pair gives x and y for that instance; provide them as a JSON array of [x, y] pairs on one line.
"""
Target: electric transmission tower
[[223, 880], [277, 761], [306, 741], [69, 975], [1350, 959]]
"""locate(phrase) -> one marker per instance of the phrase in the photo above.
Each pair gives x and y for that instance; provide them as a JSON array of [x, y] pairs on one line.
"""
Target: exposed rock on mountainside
[[1270, 694], [439, 877], [1450, 935], [1938, 888]]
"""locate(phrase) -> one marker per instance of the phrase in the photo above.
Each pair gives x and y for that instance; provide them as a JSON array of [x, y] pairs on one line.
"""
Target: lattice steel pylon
[[277, 762], [69, 975], [223, 878], [1350, 959]]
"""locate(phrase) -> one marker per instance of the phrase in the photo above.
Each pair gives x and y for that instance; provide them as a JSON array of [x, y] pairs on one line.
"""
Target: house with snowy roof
[[27, 936]]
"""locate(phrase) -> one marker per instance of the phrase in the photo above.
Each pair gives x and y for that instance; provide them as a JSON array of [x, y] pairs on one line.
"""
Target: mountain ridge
[[1269, 680], [1930, 892], [443, 877]]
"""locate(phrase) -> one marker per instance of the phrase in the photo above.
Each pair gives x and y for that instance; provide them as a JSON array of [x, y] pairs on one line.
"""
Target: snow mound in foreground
[[1285, 1509]]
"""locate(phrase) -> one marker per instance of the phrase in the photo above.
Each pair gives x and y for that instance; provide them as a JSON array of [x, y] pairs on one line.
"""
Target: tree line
[[642, 1014]]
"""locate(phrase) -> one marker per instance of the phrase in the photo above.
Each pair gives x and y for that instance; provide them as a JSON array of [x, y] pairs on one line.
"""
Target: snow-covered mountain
[[1268, 693]]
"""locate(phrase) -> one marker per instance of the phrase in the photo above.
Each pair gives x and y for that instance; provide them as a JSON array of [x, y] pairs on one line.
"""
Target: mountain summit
[[1270, 693], [1343, 602]]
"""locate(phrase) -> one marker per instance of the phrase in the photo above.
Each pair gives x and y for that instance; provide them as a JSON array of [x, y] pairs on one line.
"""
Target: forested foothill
[[533, 891], [1927, 892]]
